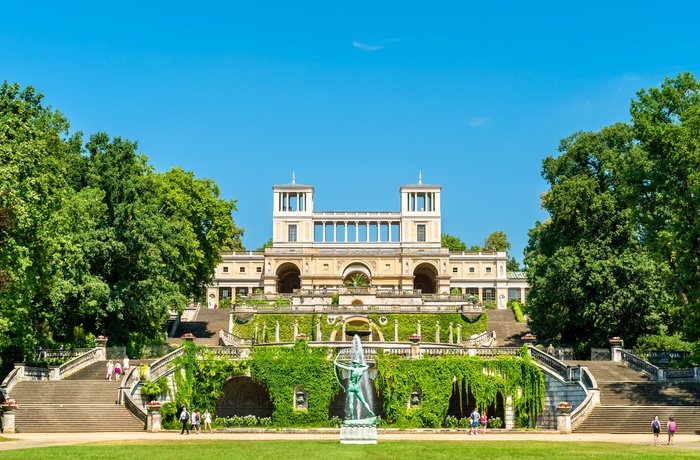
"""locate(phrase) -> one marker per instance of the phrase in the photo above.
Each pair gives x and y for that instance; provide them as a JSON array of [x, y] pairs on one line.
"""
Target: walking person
[[195, 421], [207, 420], [484, 420], [117, 370], [184, 418], [125, 365], [656, 429], [671, 425], [110, 370], [475, 422]]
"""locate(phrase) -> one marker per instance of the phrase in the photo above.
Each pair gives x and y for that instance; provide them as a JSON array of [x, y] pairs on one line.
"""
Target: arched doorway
[[461, 406], [288, 278], [424, 278], [242, 396], [357, 275]]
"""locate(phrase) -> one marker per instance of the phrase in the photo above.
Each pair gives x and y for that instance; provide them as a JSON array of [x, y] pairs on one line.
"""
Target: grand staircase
[[508, 331], [205, 327], [629, 401], [84, 402]]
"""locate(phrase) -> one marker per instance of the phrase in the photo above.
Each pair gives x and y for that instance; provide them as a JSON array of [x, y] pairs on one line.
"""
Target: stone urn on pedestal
[[528, 339], [153, 422], [9, 406], [189, 337]]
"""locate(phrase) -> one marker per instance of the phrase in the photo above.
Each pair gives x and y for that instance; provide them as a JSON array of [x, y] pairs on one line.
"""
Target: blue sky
[[356, 98]]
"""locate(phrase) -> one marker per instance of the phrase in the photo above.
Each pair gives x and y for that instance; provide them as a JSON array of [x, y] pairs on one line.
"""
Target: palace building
[[321, 251]]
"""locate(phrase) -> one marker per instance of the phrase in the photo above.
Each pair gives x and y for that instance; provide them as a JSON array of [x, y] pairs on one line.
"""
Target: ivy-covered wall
[[407, 324], [282, 369], [436, 377], [200, 377]]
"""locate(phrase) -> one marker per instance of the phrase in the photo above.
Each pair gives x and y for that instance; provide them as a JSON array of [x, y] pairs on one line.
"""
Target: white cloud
[[366, 47], [478, 122]]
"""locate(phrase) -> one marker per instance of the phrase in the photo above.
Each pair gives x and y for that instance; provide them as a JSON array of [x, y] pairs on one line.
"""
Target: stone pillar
[[342, 336], [459, 334], [101, 345], [264, 333], [437, 332], [415, 350], [318, 330], [396, 334], [153, 421], [509, 422], [449, 337], [8, 421], [418, 328], [615, 354], [255, 334], [296, 328], [564, 423], [277, 331], [54, 372], [370, 333]]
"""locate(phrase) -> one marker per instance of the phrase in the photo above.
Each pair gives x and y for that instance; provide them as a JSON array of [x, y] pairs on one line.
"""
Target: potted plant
[[615, 341], [564, 407], [154, 406], [187, 337], [9, 404], [415, 338], [528, 338]]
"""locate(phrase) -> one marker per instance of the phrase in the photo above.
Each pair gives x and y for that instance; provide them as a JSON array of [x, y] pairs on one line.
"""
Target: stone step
[[637, 419], [609, 371], [649, 393], [76, 392], [59, 418], [508, 331]]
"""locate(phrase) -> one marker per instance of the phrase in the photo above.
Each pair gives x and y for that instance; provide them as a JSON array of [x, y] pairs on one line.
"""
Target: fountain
[[355, 429]]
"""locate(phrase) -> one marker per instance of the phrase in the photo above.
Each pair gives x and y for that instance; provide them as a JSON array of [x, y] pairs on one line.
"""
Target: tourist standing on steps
[[117, 370], [110, 369], [184, 418], [125, 365], [207, 420], [671, 425], [475, 422], [656, 429]]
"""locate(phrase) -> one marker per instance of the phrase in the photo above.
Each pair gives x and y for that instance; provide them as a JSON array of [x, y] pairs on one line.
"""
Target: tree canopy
[[620, 251], [99, 243]]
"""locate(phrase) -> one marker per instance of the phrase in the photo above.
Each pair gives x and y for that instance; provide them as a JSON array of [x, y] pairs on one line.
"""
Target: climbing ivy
[[282, 369], [436, 377], [407, 325]]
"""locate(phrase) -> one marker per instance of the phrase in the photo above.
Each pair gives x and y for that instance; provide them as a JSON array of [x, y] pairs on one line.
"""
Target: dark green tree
[[453, 243], [590, 276]]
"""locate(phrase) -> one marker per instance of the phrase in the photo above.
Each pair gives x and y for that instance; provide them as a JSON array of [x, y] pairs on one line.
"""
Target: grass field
[[326, 450]]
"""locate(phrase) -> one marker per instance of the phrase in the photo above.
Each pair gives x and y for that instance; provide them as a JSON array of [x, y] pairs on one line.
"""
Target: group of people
[[656, 429], [478, 422], [196, 420], [116, 368]]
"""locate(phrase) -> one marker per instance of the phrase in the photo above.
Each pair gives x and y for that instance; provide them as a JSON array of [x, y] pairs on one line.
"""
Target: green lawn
[[324, 450]]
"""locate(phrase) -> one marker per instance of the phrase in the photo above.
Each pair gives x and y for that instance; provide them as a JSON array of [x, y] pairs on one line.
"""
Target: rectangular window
[[326, 267], [242, 291], [471, 291], [488, 294], [472, 270], [258, 269], [387, 267], [514, 293], [488, 269], [224, 292], [224, 270], [420, 233], [241, 269], [455, 269], [292, 233]]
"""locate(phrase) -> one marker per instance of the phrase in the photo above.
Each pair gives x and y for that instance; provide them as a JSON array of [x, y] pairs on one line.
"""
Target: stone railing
[[340, 309], [585, 408], [558, 367], [160, 367], [60, 353], [228, 339], [79, 362], [639, 364], [9, 381], [480, 339], [681, 374]]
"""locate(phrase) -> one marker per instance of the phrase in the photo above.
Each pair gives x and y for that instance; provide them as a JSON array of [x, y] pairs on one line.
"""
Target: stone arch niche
[[288, 278], [242, 396], [425, 278], [358, 323], [462, 405], [356, 268]]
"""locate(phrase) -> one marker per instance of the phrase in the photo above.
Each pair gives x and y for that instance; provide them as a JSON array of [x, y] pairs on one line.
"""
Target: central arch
[[425, 278], [288, 278], [355, 270], [242, 396]]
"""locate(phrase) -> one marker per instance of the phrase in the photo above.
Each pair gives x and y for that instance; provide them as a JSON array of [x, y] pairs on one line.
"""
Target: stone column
[[277, 331], [342, 336], [437, 332], [153, 420], [255, 334], [459, 334], [318, 330], [418, 328], [264, 332], [296, 328], [396, 330], [450, 335], [370, 333]]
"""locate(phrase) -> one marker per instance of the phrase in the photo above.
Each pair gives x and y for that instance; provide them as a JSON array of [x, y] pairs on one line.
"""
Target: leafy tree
[[496, 241], [665, 182], [453, 243], [590, 276]]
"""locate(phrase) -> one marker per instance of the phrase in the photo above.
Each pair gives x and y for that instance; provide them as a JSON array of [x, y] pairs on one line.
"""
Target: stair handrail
[[478, 339], [561, 369], [585, 408], [11, 379], [639, 364], [230, 339], [160, 367], [79, 362]]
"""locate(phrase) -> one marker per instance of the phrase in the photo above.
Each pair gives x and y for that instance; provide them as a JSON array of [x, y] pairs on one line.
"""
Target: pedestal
[[8, 421], [564, 423], [358, 434], [153, 421]]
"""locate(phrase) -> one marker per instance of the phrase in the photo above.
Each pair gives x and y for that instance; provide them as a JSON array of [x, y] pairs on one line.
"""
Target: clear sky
[[357, 98]]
